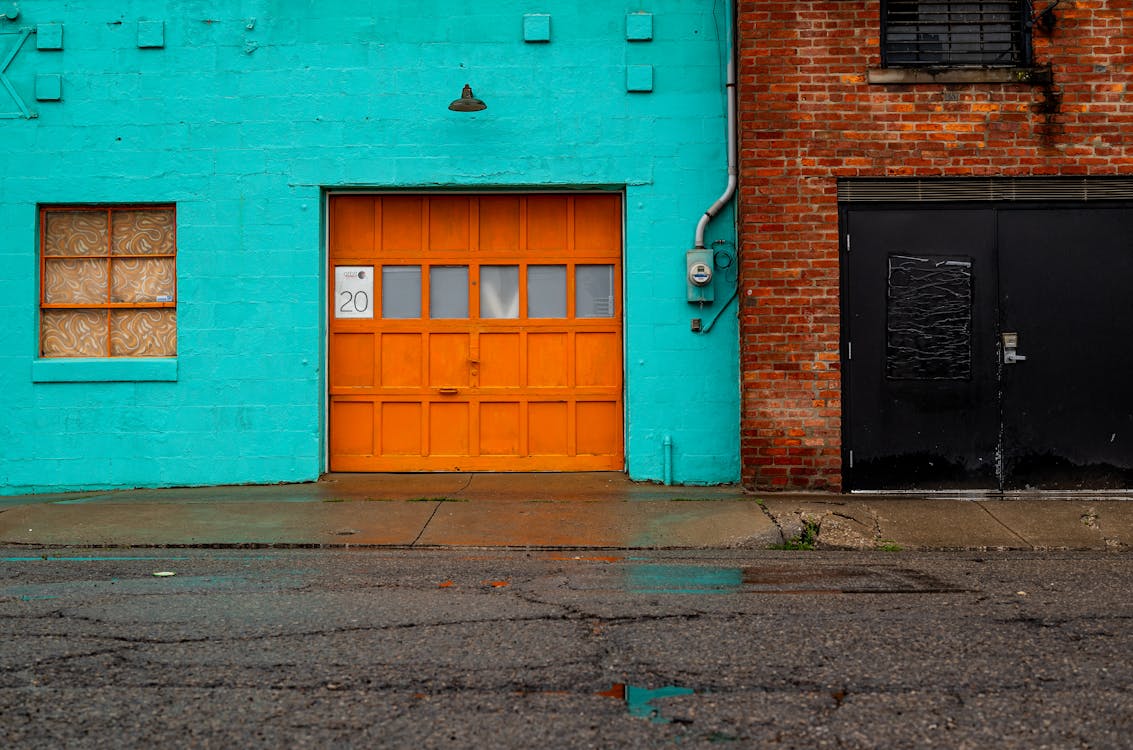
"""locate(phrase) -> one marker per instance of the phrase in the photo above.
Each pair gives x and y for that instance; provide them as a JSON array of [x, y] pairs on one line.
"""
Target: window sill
[[104, 370], [1036, 76]]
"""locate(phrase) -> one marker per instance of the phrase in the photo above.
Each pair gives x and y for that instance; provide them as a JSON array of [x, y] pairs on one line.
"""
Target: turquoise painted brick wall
[[250, 111]]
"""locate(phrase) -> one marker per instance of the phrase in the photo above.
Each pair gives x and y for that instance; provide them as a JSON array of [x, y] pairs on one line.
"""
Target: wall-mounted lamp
[[467, 102]]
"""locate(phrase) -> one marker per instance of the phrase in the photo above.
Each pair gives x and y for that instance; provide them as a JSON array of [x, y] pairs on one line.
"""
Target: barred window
[[108, 281], [955, 33]]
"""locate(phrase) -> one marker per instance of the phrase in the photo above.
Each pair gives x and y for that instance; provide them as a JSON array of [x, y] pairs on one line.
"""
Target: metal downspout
[[733, 175]]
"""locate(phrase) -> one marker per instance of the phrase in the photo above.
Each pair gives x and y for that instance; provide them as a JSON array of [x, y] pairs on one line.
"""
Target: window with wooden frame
[[108, 281], [955, 33]]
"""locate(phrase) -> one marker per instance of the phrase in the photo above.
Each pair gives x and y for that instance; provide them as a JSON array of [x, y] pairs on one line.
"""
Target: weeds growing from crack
[[805, 540]]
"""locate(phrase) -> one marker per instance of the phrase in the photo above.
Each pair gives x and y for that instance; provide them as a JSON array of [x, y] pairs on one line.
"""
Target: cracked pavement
[[864, 522], [460, 648], [590, 510]]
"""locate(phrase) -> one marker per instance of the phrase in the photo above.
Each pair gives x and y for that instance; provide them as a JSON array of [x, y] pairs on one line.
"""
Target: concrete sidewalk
[[586, 510]]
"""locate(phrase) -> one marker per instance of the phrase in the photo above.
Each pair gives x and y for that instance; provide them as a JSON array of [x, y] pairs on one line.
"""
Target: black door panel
[[929, 401], [919, 378], [1067, 291]]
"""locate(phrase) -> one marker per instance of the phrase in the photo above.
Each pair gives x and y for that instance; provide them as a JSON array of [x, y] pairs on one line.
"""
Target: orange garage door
[[475, 333]]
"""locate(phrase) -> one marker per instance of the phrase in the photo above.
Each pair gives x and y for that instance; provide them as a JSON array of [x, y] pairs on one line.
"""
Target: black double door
[[988, 346]]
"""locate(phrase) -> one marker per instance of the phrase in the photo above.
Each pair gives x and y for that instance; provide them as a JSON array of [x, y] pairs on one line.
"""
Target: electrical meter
[[699, 274], [698, 263]]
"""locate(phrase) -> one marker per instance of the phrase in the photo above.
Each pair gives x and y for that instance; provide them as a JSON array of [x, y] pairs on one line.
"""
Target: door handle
[[447, 391], [1010, 349]]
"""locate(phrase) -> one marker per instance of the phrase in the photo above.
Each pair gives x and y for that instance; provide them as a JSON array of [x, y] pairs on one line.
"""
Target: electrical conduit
[[733, 175]]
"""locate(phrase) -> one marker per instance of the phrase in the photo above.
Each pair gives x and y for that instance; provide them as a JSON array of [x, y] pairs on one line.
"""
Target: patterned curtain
[[109, 283]]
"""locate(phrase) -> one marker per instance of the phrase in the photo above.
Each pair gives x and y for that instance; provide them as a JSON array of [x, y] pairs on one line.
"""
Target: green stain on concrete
[[683, 579]]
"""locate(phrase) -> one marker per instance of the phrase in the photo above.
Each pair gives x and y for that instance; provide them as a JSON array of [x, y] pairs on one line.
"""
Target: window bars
[[955, 33]]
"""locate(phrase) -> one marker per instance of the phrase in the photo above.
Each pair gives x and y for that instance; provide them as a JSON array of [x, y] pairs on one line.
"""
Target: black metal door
[[1066, 279], [921, 401], [934, 396]]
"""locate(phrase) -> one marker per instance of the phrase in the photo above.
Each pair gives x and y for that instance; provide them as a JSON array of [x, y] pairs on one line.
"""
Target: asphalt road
[[317, 648]]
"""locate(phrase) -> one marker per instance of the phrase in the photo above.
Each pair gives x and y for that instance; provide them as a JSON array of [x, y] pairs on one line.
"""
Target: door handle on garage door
[[1010, 349], [447, 391]]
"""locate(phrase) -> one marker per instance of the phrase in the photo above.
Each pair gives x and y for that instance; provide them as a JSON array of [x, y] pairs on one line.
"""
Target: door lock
[[1010, 346]]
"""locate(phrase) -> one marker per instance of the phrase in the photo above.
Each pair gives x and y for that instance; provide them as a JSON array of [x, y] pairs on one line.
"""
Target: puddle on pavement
[[683, 579], [639, 700], [781, 579]]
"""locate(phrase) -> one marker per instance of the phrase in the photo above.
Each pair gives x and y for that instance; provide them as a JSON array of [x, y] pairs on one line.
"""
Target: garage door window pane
[[448, 292], [546, 292], [499, 291], [401, 291], [594, 291]]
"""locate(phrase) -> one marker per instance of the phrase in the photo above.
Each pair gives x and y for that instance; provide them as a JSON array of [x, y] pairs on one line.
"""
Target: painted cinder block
[[639, 78], [49, 36], [48, 87], [151, 34], [537, 27], [639, 27]]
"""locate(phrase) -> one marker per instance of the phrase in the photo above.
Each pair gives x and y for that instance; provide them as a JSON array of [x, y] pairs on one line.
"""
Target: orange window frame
[[109, 256]]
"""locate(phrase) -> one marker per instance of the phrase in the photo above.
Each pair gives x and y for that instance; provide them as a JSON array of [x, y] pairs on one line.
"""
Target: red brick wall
[[808, 116]]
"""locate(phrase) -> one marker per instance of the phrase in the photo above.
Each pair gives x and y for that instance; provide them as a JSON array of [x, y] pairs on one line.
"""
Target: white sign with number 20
[[354, 291]]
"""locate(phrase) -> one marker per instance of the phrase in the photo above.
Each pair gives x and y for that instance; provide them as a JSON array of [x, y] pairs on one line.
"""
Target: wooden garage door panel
[[499, 223], [499, 360], [548, 426], [352, 359], [448, 429], [597, 224], [470, 393], [597, 359], [352, 227], [401, 429], [499, 429], [401, 359], [401, 224], [448, 223], [547, 224], [547, 361], [448, 360], [352, 427], [597, 431]]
